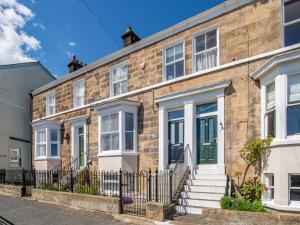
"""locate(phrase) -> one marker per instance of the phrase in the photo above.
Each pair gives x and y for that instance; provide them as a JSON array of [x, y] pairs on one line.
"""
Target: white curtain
[[270, 96]]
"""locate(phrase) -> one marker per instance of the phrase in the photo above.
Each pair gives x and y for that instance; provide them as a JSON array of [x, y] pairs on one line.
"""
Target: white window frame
[[76, 94], [54, 142], [14, 149], [49, 105], [269, 187], [41, 143], [165, 64], [118, 81], [195, 35], [284, 24], [109, 114], [293, 203], [47, 126], [120, 110], [267, 111], [291, 104], [281, 105]]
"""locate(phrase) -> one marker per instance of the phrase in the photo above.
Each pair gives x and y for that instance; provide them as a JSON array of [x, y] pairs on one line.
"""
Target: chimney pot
[[129, 37], [75, 65]]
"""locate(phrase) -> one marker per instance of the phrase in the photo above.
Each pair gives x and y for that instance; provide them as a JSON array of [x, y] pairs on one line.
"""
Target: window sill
[[271, 204], [47, 158], [290, 140], [117, 153]]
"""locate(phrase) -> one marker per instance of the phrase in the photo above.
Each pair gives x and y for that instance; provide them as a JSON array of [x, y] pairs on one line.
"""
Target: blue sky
[[65, 27]]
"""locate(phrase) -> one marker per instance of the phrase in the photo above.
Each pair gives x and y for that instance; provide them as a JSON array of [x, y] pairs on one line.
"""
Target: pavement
[[20, 211]]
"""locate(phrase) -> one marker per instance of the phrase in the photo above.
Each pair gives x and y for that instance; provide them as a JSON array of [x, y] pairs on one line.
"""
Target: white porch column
[[220, 125], [190, 132], [163, 138], [281, 102]]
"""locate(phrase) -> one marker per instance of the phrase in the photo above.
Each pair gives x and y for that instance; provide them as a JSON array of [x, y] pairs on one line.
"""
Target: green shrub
[[252, 190], [47, 186], [241, 205], [86, 190]]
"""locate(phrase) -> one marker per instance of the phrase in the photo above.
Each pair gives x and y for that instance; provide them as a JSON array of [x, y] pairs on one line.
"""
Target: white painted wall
[[16, 81]]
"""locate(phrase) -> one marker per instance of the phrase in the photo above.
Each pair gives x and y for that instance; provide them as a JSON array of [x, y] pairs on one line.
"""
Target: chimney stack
[[129, 37], [75, 65]]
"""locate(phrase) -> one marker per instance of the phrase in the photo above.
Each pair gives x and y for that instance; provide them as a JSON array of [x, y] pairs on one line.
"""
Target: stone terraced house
[[211, 82]]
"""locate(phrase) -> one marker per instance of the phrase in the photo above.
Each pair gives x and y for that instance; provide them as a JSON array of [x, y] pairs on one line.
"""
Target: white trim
[[76, 85], [49, 95], [75, 125], [18, 150], [186, 77], [291, 208], [111, 83]]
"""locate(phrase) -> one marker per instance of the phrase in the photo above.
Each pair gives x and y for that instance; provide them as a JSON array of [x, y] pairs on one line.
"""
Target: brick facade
[[247, 31]]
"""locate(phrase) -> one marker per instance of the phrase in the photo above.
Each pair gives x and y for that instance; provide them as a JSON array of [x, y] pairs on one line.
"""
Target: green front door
[[81, 146], [207, 140]]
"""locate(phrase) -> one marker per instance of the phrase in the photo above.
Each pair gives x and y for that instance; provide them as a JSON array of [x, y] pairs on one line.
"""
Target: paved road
[[18, 211]]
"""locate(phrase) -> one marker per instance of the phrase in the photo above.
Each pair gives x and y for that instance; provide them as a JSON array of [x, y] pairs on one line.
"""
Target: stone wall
[[11, 190], [81, 201], [247, 31]]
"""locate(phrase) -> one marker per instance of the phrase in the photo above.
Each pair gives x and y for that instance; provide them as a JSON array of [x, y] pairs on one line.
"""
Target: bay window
[[47, 136], [270, 110], [118, 79], [294, 188], [118, 128], [110, 132], [78, 93], [206, 50], [269, 181], [291, 22], [293, 108], [174, 61]]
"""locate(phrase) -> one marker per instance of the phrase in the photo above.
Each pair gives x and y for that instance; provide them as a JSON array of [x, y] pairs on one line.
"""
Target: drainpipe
[[31, 128]]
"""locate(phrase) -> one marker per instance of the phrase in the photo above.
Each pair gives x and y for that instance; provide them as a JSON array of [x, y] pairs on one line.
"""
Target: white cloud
[[72, 43], [15, 43], [39, 25]]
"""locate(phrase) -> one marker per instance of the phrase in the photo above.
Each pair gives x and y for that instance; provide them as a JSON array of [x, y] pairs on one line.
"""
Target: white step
[[203, 196], [220, 183], [199, 203], [208, 177], [188, 209], [206, 172], [206, 189]]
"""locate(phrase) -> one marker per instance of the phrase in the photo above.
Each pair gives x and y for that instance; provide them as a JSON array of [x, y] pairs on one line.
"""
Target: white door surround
[[76, 123], [189, 100]]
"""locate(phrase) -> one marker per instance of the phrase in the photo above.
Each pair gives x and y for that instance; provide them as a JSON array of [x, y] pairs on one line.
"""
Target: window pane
[[294, 88], [179, 51], [292, 34], [124, 71], [211, 39], [54, 151], [105, 142], [114, 122], [206, 108], [179, 69], [53, 134], [295, 195], [271, 118], [117, 89], [128, 121], [123, 87], [169, 54], [105, 124], [291, 10], [212, 58], [293, 120], [295, 180], [129, 140], [178, 114], [200, 43], [270, 96], [201, 62], [13, 155], [170, 71], [80, 130], [114, 141]]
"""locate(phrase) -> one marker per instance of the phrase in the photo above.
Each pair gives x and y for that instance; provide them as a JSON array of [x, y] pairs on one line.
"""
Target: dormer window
[[291, 22]]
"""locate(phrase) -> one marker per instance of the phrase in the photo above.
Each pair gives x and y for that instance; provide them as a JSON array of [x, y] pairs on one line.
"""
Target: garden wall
[[10, 190], [250, 218], [82, 201]]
